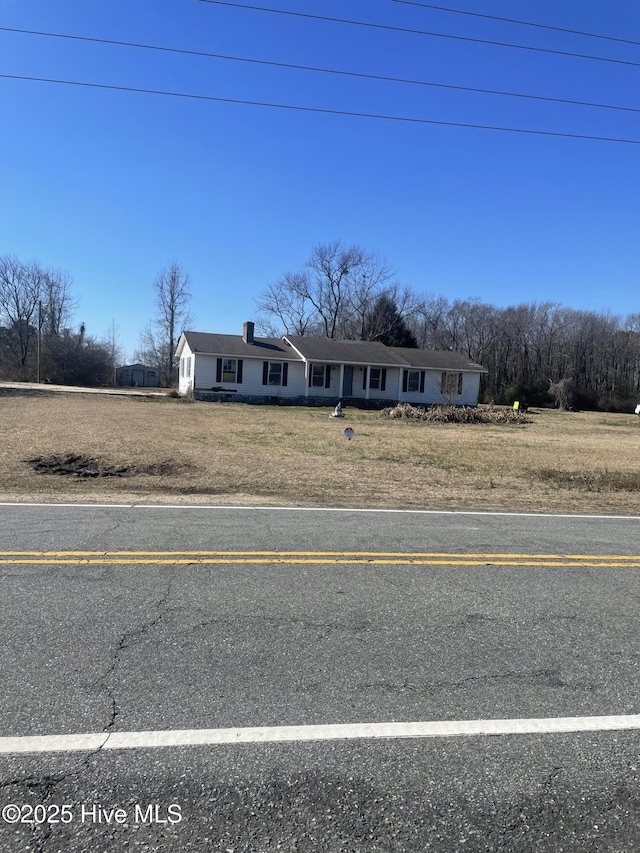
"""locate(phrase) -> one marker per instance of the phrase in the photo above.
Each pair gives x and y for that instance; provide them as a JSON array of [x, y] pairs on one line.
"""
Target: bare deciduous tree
[[427, 321], [32, 298], [284, 306], [20, 288], [110, 341], [159, 339], [331, 296], [58, 303]]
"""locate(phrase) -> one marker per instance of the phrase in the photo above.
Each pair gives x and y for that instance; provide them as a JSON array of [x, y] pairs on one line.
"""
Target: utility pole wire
[[517, 21], [321, 110], [423, 33], [357, 74]]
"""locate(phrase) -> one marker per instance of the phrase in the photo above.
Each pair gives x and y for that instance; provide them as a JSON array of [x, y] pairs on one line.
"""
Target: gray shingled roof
[[347, 352], [373, 352], [326, 350], [437, 359], [204, 342]]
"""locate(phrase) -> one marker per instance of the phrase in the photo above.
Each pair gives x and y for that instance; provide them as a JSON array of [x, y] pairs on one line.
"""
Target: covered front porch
[[352, 380]]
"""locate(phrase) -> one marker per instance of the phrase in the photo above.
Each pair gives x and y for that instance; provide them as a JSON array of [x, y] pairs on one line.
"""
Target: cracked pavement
[[129, 648]]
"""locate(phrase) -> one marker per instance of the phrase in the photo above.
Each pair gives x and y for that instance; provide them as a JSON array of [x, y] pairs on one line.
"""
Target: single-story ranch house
[[300, 370]]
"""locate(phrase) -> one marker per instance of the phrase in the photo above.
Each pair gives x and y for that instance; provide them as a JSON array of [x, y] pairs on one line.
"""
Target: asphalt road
[[493, 617]]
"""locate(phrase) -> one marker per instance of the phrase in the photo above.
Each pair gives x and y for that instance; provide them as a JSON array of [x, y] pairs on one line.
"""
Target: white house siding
[[357, 391], [251, 384], [321, 391], [204, 366], [470, 389], [433, 396], [185, 383], [393, 387], [390, 386]]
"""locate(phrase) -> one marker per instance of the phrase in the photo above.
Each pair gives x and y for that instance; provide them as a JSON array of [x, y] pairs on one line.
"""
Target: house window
[[181, 367], [413, 381], [274, 373], [320, 376], [229, 369], [187, 371], [377, 378], [451, 383], [317, 375], [151, 373]]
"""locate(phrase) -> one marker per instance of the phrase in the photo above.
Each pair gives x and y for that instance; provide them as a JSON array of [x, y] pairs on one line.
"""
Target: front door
[[347, 384]]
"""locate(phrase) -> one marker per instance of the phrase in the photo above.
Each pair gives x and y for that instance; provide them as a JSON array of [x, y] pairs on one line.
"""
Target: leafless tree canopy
[[331, 296], [539, 353], [159, 339], [32, 297], [531, 347], [112, 344], [349, 293]]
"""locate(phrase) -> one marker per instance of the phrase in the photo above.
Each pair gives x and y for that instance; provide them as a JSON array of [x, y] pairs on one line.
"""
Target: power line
[[424, 33], [321, 110], [516, 21], [357, 74]]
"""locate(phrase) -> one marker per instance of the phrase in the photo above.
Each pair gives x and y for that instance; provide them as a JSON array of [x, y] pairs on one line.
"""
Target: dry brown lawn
[[238, 454]]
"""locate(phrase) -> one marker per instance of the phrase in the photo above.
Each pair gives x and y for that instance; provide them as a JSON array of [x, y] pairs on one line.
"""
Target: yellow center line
[[349, 558], [315, 554]]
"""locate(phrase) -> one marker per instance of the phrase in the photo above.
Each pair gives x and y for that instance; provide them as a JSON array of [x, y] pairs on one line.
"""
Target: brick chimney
[[247, 332]]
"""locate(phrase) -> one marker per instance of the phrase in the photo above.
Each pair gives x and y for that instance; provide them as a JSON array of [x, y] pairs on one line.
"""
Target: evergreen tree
[[384, 323]]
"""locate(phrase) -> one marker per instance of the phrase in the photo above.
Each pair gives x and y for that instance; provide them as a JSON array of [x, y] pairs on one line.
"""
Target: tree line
[[40, 342], [538, 353]]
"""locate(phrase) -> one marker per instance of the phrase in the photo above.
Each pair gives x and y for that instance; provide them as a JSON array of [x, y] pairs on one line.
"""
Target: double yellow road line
[[343, 558]]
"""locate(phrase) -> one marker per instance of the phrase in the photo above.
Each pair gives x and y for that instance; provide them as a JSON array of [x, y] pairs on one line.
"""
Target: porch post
[[400, 385], [306, 378], [368, 375], [341, 381]]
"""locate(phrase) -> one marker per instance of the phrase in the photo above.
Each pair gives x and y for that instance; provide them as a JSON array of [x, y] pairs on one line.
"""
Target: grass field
[[168, 450]]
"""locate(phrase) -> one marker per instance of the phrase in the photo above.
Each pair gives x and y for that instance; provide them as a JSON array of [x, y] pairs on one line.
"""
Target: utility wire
[[516, 21], [424, 33], [317, 69], [320, 110]]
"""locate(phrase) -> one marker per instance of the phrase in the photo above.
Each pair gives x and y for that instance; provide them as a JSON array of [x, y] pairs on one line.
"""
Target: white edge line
[[321, 509], [66, 506], [280, 734]]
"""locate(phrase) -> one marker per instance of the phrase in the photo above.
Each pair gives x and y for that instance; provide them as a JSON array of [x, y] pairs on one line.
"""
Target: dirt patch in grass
[[79, 465], [265, 455], [75, 465]]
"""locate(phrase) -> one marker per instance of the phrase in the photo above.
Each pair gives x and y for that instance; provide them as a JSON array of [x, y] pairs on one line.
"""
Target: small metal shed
[[138, 376]]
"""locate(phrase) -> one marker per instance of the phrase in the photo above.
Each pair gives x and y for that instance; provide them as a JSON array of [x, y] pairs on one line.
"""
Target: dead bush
[[455, 414]]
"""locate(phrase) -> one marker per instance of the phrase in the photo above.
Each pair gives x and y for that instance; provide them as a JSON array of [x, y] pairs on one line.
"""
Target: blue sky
[[111, 186]]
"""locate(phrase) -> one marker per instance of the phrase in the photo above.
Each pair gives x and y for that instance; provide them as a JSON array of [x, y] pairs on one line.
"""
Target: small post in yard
[[39, 335]]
